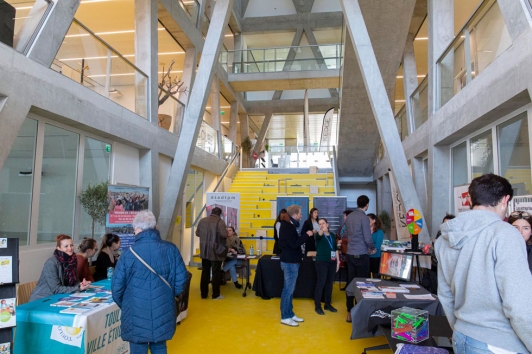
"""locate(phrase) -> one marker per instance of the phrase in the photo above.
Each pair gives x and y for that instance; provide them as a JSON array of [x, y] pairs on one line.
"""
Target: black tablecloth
[[269, 278], [365, 307]]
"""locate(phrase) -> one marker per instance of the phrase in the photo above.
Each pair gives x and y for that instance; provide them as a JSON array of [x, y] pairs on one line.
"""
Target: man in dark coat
[[212, 232], [148, 307]]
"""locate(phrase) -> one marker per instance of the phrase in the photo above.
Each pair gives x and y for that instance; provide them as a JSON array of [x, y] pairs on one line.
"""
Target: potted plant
[[246, 150], [94, 202]]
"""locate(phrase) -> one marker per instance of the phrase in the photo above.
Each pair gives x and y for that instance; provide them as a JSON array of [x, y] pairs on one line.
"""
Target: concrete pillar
[[439, 181], [440, 17], [244, 133], [146, 58], [418, 174], [54, 29], [215, 111], [149, 176], [263, 131], [387, 203], [13, 112], [236, 63], [193, 117], [514, 13], [382, 110], [409, 79], [233, 122], [189, 74]]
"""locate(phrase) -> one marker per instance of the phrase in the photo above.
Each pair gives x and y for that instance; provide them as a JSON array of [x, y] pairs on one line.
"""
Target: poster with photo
[[5, 348], [461, 199], [230, 205], [7, 313], [303, 202], [124, 203]]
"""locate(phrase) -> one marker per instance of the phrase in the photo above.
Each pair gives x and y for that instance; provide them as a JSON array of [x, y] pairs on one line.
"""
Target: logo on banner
[[68, 335]]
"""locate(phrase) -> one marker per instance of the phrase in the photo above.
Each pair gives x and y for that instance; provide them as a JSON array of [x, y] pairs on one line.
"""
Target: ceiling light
[[421, 39], [24, 8], [399, 100], [401, 76]]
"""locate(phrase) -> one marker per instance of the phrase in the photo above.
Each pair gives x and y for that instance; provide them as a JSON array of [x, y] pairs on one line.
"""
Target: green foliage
[[246, 144], [386, 221], [94, 202]]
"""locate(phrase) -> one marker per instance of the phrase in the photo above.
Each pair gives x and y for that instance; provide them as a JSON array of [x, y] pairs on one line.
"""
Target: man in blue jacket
[[147, 302], [484, 283]]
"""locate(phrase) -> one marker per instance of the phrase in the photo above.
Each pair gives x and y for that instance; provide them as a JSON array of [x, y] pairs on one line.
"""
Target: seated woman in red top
[[86, 249]]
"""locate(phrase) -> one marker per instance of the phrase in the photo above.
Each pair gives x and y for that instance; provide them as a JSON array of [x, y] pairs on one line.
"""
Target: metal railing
[[298, 157], [86, 58], [261, 60], [401, 121], [192, 8], [419, 102]]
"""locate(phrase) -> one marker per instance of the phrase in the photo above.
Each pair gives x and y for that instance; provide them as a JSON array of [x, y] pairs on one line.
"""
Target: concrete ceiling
[[388, 24]]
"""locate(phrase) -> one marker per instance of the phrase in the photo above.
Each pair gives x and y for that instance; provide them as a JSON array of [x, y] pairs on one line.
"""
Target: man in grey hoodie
[[484, 284]]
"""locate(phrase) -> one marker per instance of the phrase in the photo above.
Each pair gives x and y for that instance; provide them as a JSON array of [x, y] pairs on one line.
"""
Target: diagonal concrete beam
[[303, 6], [514, 13], [269, 24], [193, 117], [409, 79], [53, 31], [380, 105], [177, 22], [317, 53], [245, 4], [289, 58], [263, 131]]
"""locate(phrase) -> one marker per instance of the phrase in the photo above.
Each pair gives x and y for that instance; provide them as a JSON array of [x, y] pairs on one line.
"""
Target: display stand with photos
[[9, 277]]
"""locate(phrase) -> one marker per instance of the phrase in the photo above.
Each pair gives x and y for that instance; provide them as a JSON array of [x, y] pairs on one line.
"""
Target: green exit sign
[[107, 147]]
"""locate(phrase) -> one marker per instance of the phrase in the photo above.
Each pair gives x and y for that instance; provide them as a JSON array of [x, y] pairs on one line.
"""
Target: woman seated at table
[[234, 247], [522, 221], [108, 256], [86, 249], [327, 264], [59, 272]]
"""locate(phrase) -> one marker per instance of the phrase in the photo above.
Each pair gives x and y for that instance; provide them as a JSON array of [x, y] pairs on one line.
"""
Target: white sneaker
[[289, 322], [219, 297], [297, 319]]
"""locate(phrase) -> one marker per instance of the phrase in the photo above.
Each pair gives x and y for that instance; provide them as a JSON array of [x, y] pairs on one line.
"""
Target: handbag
[[178, 299]]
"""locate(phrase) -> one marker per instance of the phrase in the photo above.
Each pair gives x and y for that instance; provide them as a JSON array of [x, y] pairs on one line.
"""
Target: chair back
[[24, 292]]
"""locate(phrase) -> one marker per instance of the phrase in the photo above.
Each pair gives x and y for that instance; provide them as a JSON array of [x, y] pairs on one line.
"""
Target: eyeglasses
[[522, 214]]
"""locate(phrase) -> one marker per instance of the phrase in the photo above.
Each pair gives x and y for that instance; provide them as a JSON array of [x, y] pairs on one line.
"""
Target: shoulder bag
[[178, 299]]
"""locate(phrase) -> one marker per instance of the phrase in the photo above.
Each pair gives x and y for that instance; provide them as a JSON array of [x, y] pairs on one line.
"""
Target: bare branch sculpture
[[171, 86]]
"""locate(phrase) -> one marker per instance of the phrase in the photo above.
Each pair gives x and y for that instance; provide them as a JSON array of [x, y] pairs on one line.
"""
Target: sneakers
[[297, 319], [238, 285], [219, 297], [289, 322], [330, 308], [319, 311]]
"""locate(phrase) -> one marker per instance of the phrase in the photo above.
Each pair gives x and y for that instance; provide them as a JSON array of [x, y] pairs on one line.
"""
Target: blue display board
[[303, 202], [332, 209]]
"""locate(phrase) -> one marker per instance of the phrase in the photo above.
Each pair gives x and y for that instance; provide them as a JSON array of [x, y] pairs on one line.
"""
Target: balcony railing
[[297, 157], [283, 59], [481, 40], [401, 121], [86, 58], [420, 104]]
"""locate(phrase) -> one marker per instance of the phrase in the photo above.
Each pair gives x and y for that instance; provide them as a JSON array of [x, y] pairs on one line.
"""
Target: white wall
[[326, 6], [353, 191], [260, 8], [125, 169]]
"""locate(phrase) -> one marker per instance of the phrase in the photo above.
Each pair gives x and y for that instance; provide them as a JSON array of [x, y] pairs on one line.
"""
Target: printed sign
[[230, 205], [124, 203], [399, 213], [332, 209], [303, 202], [461, 199]]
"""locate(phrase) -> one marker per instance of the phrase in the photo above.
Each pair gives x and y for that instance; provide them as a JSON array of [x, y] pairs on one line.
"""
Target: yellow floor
[[252, 325]]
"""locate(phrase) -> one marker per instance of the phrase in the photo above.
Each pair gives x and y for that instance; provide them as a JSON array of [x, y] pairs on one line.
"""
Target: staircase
[[259, 188]]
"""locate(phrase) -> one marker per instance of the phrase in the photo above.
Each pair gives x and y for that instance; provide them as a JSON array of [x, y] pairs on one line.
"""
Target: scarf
[[70, 265], [295, 222]]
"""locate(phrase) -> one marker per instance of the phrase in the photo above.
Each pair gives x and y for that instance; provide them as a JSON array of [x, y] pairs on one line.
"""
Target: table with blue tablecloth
[[42, 328]]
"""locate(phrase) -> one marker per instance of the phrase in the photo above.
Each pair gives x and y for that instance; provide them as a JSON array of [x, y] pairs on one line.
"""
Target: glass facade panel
[[514, 153], [481, 154], [96, 162], [459, 166], [58, 183], [16, 183], [489, 38]]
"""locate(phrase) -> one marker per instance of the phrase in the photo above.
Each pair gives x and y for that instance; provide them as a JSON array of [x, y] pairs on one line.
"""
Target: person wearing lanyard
[[327, 264]]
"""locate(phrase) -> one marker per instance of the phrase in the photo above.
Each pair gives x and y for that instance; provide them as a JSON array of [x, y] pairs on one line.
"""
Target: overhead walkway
[[284, 68]]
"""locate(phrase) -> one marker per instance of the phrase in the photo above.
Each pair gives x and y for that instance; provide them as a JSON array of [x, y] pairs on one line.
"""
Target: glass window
[[95, 170], [481, 154], [459, 166], [58, 183], [16, 181], [514, 153]]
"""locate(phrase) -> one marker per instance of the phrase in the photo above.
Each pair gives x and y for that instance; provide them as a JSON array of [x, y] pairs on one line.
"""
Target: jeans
[[357, 267], [142, 348], [290, 271], [325, 272], [231, 267], [216, 278], [463, 344]]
